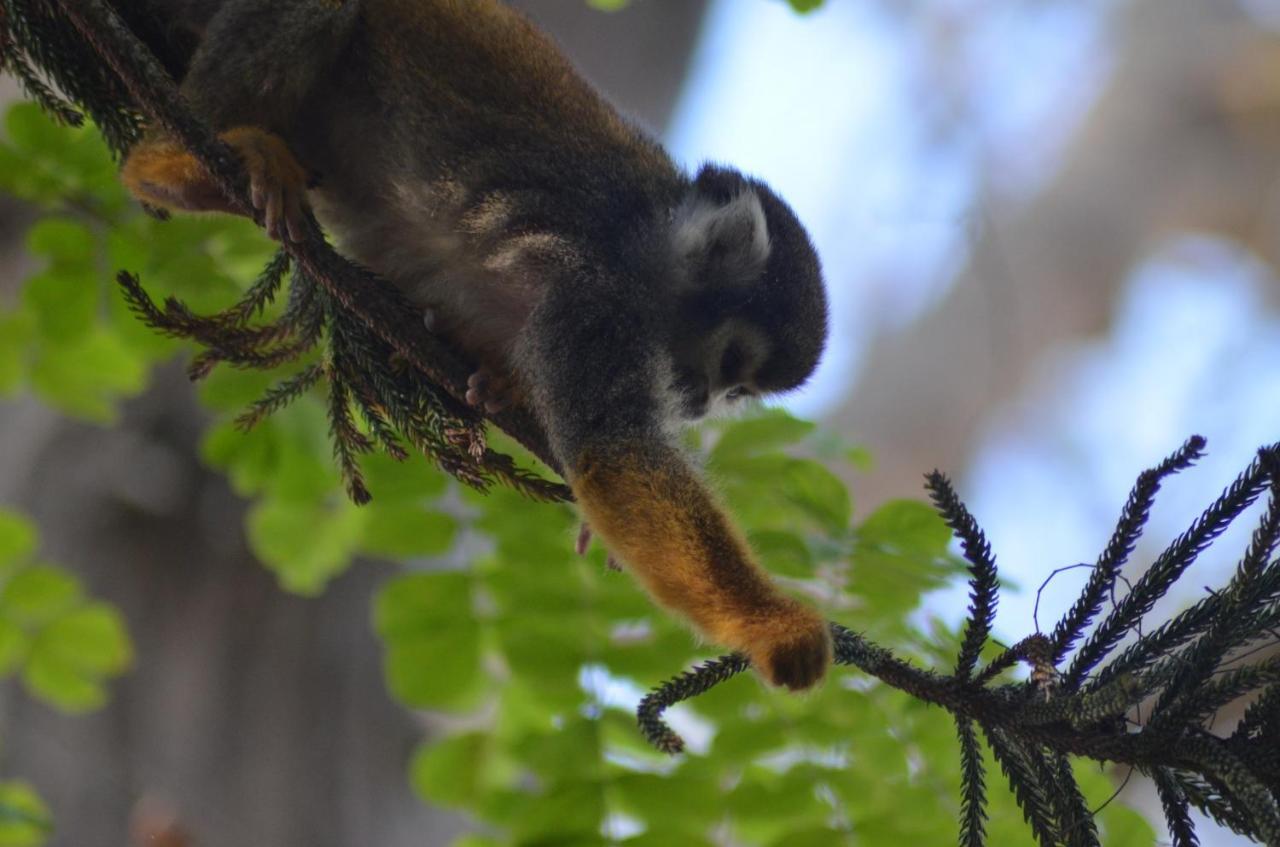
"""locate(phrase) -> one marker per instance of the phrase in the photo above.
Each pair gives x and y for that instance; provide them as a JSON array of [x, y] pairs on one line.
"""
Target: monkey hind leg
[[162, 172]]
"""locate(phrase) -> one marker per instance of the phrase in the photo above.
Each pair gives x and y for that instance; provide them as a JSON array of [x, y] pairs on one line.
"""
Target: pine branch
[[1156, 581], [984, 585], [1032, 794], [973, 798], [1177, 811], [1241, 788], [1136, 512]]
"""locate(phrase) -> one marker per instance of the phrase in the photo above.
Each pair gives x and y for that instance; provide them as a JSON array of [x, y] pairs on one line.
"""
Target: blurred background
[[1050, 230]]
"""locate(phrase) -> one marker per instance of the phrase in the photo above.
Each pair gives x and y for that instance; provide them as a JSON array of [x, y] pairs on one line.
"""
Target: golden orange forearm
[[665, 526], [658, 518]]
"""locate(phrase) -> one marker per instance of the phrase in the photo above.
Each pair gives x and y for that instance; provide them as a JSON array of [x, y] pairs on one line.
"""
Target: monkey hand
[[161, 172], [277, 182], [789, 645]]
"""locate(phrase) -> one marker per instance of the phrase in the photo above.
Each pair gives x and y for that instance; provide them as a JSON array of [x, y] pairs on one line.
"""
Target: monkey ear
[[720, 237]]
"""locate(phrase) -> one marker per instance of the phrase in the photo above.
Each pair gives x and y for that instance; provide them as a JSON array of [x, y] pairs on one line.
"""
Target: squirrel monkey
[[463, 158]]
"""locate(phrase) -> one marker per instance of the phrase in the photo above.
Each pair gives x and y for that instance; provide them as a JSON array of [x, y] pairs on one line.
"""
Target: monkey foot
[[791, 647], [277, 183], [491, 392], [584, 542]]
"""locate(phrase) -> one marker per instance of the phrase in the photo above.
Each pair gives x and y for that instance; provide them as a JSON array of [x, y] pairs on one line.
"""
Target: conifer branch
[[1192, 666]]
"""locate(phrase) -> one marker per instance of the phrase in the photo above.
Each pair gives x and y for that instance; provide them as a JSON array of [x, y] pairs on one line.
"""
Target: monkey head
[[750, 309]]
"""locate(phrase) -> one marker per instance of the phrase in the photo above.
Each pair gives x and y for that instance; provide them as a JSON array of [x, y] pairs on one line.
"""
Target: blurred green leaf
[[17, 539], [782, 553], [449, 772], [432, 640], [38, 594], [764, 433], [305, 543], [17, 329], [13, 646], [403, 530], [24, 818], [906, 526], [71, 658], [85, 377]]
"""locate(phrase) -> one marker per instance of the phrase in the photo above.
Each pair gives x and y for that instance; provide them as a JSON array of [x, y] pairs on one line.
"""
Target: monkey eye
[[738, 392]]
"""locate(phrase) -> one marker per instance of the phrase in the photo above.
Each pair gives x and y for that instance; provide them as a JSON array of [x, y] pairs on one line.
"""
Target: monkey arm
[[658, 517], [592, 357]]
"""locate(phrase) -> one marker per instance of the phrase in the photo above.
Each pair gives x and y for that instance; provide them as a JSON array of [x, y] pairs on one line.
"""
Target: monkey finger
[[584, 539], [295, 218], [275, 214]]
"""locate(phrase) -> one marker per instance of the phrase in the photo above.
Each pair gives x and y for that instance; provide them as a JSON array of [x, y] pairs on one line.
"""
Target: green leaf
[[403, 530], [676, 799], [432, 640], [17, 539], [412, 481], [568, 812], [71, 658], [663, 836], [476, 841], [449, 772], [24, 818], [783, 553], [306, 544], [820, 493], [86, 377], [817, 836], [92, 639], [37, 594], [908, 526], [13, 646], [764, 433], [17, 328], [806, 6], [64, 302]]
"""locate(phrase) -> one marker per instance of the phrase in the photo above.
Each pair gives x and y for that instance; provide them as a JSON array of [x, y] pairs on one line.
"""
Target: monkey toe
[[488, 390]]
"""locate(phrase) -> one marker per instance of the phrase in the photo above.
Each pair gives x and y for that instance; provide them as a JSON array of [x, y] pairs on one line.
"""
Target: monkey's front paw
[[791, 648], [277, 183], [490, 391]]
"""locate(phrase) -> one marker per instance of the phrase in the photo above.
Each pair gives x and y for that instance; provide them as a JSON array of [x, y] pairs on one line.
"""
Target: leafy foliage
[[63, 645]]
